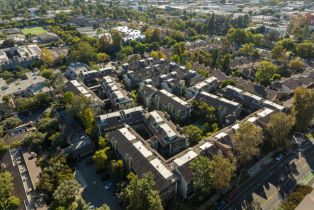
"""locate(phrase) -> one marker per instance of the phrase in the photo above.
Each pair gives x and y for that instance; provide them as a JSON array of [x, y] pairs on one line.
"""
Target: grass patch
[[34, 31]]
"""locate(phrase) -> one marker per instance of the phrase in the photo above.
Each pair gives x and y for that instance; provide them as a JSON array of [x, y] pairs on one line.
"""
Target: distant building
[[47, 38], [31, 86], [130, 34], [22, 56]]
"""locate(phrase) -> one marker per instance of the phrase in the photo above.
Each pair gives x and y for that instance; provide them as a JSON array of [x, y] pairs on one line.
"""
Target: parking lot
[[94, 188]]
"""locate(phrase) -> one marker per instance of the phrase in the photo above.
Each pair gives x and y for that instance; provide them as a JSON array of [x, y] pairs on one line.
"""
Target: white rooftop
[[170, 133], [265, 112], [158, 119], [277, 106], [220, 135], [252, 119], [166, 173], [206, 145], [185, 158], [236, 126], [125, 131], [143, 150]]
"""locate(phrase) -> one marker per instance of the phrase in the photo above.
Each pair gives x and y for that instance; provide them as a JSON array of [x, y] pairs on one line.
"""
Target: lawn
[[34, 31]]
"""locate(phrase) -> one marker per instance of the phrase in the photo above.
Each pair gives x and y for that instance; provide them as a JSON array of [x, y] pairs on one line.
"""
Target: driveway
[[94, 188]]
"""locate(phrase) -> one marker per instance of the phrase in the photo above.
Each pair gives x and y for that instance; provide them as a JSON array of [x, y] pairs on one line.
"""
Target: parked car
[[279, 157], [108, 186], [105, 177]]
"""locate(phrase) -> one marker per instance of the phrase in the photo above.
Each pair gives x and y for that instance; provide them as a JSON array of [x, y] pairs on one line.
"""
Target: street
[[272, 185]]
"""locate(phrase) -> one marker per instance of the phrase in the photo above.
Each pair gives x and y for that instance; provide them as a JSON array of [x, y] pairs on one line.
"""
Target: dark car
[[105, 177]]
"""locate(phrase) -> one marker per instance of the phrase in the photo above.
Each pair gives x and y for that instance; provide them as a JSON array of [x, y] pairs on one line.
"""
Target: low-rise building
[[79, 88], [166, 137], [31, 86], [139, 158], [228, 111], [173, 105], [249, 100], [208, 85], [114, 120], [118, 97]]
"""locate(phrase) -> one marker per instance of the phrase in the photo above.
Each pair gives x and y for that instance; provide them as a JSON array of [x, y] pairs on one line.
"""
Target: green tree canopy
[[101, 158], [303, 107], [66, 192], [265, 72], [279, 127], [248, 139], [193, 133], [139, 194]]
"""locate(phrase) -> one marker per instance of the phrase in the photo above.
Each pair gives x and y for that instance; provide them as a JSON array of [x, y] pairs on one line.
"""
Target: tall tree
[[193, 133], [212, 174], [265, 72], [139, 194], [101, 158], [7, 201], [248, 139], [66, 192], [222, 170], [279, 53], [279, 126], [303, 108]]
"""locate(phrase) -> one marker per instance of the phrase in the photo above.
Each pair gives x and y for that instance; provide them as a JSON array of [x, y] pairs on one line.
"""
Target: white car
[[108, 186]]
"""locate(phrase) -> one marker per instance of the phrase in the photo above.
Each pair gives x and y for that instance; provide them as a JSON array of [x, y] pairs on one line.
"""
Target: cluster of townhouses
[[22, 56], [148, 137]]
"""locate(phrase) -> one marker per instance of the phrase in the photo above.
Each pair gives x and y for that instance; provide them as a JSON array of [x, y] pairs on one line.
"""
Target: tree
[[305, 50], [46, 56], [303, 102], [83, 52], [7, 201], [222, 170], [66, 192], [10, 122], [88, 121], [279, 127], [225, 63], [117, 169], [139, 194], [55, 172], [193, 133], [179, 48], [102, 142], [211, 174], [247, 140], [265, 72], [102, 57], [202, 176], [296, 65], [81, 205], [101, 158], [103, 207], [279, 53], [204, 111], [116, 40]]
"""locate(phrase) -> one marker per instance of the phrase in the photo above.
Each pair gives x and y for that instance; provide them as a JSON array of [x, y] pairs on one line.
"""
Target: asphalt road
[[283, 176]]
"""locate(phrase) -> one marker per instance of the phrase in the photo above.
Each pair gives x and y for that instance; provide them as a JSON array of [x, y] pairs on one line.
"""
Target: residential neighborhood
[[158, 104]]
